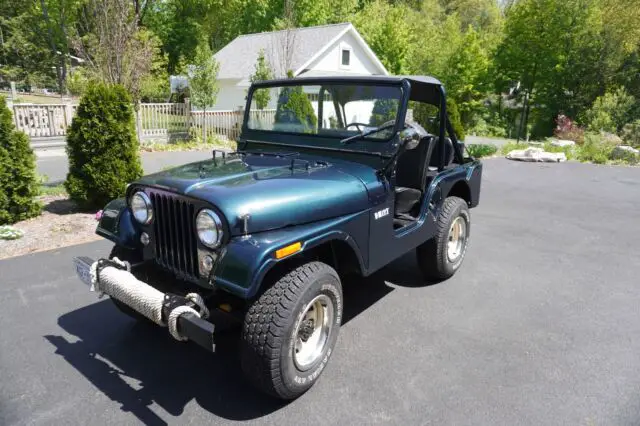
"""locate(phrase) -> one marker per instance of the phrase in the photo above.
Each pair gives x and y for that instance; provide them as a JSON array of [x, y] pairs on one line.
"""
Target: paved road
[[541, 326], [53, 162]]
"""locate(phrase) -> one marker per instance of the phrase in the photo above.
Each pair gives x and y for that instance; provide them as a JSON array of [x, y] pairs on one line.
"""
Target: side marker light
[[288, 250]]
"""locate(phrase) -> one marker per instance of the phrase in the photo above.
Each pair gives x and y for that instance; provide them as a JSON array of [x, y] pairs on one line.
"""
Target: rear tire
[[440, 257], [290, 331]]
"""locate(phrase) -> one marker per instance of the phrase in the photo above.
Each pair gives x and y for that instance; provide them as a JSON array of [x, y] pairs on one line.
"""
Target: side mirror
[[410, 139]]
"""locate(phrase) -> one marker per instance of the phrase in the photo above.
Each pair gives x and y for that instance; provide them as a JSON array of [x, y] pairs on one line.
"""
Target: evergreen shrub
[[18, 181], [102, 147]]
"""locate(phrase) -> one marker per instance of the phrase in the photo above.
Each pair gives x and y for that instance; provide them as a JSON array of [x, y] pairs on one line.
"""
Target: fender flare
[[117, 225], [246, 262], [308, 245]]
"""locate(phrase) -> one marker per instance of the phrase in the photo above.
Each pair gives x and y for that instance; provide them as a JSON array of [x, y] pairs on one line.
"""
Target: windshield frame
[[329, 142]]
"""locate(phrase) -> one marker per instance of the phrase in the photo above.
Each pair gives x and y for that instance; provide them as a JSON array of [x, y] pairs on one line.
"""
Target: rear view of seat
[[411, 176], [435, 156]]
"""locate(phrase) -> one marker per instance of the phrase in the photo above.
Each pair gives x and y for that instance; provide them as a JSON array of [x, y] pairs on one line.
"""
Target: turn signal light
[[288, 250]]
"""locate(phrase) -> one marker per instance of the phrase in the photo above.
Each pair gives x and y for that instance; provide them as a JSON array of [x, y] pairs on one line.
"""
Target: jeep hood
[[276, 191]]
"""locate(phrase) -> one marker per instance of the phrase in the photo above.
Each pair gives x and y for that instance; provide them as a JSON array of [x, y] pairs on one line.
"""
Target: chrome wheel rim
[[457, 239], [312, 331]]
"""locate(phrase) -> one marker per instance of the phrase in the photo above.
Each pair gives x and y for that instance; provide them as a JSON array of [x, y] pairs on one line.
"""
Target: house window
[[346, 57]]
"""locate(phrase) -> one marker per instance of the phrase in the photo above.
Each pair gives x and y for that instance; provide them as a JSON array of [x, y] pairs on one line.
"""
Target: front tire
[[440, 257], [290, 331]]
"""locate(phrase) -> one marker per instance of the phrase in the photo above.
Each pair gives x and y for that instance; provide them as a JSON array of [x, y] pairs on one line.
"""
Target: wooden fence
[[40, 120], [167, 121], [163, 120], [227, 123]]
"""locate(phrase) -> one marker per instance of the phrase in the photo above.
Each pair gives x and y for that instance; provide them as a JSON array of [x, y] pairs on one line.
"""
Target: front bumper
[[126, 288]]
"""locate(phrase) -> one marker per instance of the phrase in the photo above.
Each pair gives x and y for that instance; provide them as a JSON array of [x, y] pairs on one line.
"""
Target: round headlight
[[141, 208], [209, 228]]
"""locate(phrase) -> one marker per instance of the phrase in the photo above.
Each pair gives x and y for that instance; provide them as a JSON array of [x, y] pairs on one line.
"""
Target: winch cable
[[118, 282]]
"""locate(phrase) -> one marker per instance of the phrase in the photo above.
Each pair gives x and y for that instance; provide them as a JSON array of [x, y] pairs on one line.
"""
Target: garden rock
[[611, 139], [562, 142], [536, 155], [624, 152]]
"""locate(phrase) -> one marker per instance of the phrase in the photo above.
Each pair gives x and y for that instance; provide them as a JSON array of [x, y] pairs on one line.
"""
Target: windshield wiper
[[367, 133]]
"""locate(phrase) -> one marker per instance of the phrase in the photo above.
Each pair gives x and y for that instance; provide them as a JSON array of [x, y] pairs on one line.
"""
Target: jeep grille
[[175, 236]]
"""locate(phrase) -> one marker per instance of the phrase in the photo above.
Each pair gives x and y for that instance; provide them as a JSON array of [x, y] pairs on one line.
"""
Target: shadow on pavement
[[137, 364], [61, 207], [403, 272]]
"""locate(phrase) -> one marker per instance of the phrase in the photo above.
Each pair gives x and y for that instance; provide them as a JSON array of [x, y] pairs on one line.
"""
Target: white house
[[313, 51]]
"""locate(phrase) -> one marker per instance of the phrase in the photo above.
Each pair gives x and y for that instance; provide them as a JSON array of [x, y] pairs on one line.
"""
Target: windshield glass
[[336, 110]]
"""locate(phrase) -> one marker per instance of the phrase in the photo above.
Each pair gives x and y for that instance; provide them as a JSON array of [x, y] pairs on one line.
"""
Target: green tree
[[383, 110], [116, 48], [18, 183], [182, 25], [479, 14], [26, 53], [321, 12], [385, 29], [631, 133], [102, 147], [551, 48], [454, 118], [58, 18], [178, 24], [203, 82], [263, 71], [610, 112], [78, 82], [428, 116], [465, 76], [292, 101], [154, 86]]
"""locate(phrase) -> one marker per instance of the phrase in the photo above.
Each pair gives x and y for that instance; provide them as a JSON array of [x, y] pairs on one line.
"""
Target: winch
[[185, 316]]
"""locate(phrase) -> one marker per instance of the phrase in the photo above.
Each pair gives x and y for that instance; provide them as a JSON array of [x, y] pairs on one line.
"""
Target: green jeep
[[335, 179]]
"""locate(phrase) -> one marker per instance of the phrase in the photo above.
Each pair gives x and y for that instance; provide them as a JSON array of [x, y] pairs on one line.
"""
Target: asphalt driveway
[[541, 326]]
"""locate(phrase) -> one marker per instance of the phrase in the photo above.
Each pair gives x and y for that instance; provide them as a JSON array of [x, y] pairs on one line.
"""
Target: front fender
[[116, 224], [246, 260]]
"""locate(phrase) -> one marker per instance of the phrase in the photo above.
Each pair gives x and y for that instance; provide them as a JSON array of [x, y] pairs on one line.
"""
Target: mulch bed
[[61, 224]]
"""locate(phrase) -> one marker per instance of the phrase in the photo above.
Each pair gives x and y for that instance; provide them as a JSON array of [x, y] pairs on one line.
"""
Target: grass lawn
[[162, 120], [37, 99]]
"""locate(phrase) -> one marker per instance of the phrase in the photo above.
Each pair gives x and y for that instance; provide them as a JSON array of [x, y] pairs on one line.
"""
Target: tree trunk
[[527, 108], [52, 45], [527, 95], [204, 125], [4, 57], [64, 91], [136, 110], [522, 117]]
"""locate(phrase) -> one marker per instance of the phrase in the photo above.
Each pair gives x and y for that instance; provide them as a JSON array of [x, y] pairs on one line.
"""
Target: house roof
[[238, 58]]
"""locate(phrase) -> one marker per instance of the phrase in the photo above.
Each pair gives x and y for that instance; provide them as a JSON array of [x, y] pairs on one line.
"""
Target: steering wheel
[[357, 126]]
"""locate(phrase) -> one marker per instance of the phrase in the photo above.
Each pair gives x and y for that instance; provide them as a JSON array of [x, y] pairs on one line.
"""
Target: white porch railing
[[227, 123], [163, 119], [155, 120], [40, 120]]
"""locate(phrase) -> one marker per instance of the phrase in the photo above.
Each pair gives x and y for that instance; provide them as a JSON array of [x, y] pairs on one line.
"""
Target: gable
[[361, 60], [311, 49], [283, 49]]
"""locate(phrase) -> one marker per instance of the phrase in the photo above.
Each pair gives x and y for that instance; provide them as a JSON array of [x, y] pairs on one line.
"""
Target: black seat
[[411, 176], [435, 156]]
